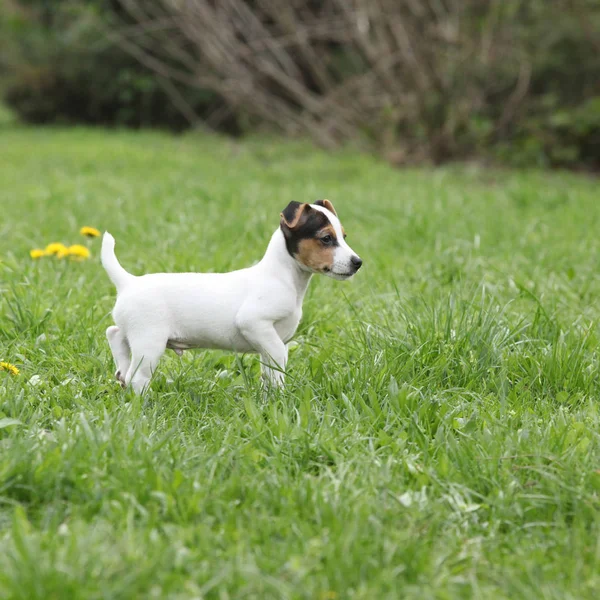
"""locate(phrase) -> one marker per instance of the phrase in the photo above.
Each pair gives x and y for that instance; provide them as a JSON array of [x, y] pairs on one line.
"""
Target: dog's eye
[[327, 240]]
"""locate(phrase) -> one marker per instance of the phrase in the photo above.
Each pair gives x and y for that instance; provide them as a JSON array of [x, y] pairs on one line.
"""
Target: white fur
[[251, 310]]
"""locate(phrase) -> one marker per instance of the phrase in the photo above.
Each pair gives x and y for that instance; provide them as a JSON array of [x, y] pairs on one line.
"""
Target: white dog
[[251, 310]]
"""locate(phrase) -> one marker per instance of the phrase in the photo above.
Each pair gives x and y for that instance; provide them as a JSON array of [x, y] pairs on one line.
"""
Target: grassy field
[[439, 435]]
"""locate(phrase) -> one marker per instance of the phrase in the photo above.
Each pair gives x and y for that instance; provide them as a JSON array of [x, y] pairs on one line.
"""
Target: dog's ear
[[294, 214], [326, 204]]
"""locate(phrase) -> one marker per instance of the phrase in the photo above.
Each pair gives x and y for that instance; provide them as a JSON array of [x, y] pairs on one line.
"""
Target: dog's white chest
[[286, 327]]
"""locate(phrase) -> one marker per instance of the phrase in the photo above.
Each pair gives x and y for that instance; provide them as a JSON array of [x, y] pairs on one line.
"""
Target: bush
[[413, 80], [59, 66]]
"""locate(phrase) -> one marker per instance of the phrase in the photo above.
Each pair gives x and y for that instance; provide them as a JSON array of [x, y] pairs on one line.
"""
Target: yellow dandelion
[[78, 252], [6, 366], [89, 232], [37, 253], [56, 248]]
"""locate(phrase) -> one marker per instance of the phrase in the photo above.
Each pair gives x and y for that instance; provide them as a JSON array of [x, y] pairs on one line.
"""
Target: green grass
[[439, 434]]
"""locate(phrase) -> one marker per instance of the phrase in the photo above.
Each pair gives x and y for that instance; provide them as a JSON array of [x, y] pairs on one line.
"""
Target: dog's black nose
[[356, 261]]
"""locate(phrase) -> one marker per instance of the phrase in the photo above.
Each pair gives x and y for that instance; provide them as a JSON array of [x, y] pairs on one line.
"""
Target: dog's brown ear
[[294, 214], [326, 204]]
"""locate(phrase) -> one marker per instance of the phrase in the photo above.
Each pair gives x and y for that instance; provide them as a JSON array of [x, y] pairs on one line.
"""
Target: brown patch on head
[[312, 254]]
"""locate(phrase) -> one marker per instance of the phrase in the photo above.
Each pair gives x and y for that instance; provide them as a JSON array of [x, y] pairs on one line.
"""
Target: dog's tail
[[118, 275]]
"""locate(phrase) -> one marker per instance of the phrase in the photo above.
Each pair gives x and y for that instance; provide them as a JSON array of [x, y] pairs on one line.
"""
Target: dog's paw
[[120, 379], [273, 380]]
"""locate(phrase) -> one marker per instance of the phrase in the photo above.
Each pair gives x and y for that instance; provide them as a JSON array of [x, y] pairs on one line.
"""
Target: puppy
[[251, 310]]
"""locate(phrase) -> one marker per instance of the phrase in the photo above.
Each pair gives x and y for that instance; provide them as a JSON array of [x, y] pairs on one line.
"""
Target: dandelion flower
[[37, 253], [56, 248], [89, 232], [78, 252], [6, 366]]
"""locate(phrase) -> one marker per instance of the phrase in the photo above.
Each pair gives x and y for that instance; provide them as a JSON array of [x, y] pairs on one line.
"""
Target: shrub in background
[[58, 65], [413, 80]]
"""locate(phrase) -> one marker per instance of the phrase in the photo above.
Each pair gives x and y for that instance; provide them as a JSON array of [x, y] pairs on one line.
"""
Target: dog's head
[[315, 238]]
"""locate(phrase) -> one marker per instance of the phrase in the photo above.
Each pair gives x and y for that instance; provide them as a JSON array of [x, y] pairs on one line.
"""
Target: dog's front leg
[[261, 335]]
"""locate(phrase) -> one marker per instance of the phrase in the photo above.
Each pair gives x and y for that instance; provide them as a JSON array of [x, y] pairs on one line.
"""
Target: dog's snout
[[357, 262]]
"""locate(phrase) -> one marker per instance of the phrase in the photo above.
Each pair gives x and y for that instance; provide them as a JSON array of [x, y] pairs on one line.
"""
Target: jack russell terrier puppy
[[251, 310]]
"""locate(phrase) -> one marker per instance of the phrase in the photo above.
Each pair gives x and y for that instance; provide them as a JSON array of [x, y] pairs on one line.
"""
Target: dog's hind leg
[[145, 354], [120, 351]]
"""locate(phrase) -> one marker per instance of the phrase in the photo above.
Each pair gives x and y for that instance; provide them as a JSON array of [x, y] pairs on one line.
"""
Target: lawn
[[439, 433]]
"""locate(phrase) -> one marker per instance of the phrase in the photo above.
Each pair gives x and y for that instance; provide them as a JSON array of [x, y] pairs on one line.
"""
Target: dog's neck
[[278, 260]]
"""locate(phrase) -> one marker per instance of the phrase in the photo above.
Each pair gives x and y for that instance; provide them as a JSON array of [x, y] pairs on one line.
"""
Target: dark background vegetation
[[412, 80]]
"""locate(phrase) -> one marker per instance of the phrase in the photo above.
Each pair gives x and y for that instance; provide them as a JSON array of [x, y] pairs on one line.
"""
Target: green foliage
[[556, 135], [531, 95], [446, 81], [60, 67], [558, 121], [439, 434]]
